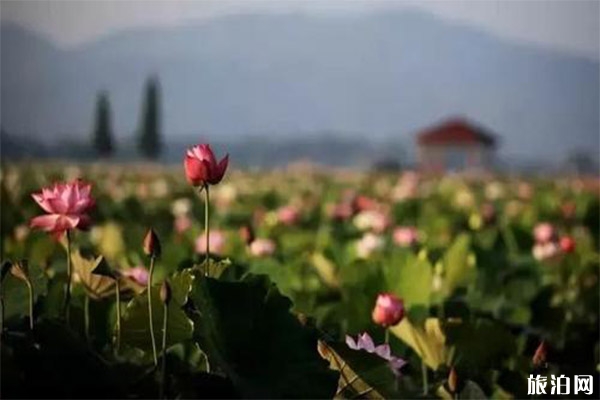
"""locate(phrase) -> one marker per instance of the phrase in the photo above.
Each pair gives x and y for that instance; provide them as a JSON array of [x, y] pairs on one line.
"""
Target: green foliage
[[135, 320], [410, 278], [251, 336], [476, 298]]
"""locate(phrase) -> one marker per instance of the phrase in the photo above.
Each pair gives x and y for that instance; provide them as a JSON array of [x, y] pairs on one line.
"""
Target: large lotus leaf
[[326, 270], [92, 275], [409, 277], [135, 331], [459, 270], [250, 335], [480, 344], [362, 375], [427, 340], [110, 240], [96, 286], [55, 364], [215, 268], [16, 294]]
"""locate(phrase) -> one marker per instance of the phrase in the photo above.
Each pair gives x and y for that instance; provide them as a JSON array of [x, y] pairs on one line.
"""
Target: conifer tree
[[102, 135], [149, 129]]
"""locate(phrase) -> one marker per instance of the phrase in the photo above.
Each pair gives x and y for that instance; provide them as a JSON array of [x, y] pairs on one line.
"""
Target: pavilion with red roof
[[455, 145]]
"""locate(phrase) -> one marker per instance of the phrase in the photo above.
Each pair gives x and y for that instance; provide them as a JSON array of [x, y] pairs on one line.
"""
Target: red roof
[[455, 131]]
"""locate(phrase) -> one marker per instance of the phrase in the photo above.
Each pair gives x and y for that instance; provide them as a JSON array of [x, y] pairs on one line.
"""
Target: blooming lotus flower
[[546, 251], [364, 203], [288, 215], [567, 244], [217, 242], [66, 205], [181, 207], [544, 232], [388, 311], [182, 224], [262, 247], [525, 191], [340, 212], [372, 220], [368, 244], [407, 187], [365, 342], [494, 191], [201, 167], [406, 236], [137, 274]]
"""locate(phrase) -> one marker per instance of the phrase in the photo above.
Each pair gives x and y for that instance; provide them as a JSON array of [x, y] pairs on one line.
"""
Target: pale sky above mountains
[[572, 26]]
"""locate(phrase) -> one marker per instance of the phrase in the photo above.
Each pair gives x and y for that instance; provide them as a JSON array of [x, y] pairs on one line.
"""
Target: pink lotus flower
[[365, 342], [546, 251], [217, 242], [407, 187], [262, 247], [372, 220], [340, 212], [567, 244], [67, 205], [406, 236], [364, 203], [368, 244], [182, 223], [544, 232], [288, 215], [388, 311], [201, 166], [137, 274]]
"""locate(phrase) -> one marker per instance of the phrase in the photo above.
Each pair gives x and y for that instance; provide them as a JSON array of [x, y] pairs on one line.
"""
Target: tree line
[[148, 131]]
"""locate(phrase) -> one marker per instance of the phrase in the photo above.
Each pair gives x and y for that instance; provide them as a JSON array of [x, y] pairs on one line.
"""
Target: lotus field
[[210, 281]]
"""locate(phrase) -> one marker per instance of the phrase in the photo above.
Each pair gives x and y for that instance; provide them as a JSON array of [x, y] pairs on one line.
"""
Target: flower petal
[[45, 222], [365, 342], [42, 200], [195, 170], [220, 170], [351, 343]]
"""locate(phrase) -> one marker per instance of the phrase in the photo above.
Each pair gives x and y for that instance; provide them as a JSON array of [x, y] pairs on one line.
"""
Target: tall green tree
[[149, 129], [102, 135]]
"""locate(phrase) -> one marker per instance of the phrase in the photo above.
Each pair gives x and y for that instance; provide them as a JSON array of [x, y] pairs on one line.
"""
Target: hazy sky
[[569, 25]]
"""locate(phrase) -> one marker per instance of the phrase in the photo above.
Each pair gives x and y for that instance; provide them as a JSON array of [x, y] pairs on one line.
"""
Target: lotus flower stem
[[30, 290], [206, 230], [118, 295], [86, 318], [425, 379], [163, 379], [66, 311], [387, 336], [149, 291]]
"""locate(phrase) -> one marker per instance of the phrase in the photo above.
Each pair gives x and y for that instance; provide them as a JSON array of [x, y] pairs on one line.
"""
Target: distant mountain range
[[380, 76]]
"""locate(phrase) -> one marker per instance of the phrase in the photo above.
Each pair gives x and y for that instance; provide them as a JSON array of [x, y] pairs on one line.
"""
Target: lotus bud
[[152, 244], [540, 355], [388, 311], [453, 381], [567, 244], [165, 292]]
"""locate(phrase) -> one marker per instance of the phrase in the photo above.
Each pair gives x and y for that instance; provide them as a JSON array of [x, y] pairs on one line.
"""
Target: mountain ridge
[[378, 75]]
